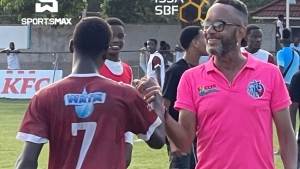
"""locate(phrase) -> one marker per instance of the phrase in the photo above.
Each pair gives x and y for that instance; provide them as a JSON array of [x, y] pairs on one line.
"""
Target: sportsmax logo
[[46, 21]]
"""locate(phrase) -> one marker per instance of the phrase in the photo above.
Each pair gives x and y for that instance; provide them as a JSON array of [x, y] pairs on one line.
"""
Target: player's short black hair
[[145, 44], [252, 27], [187, 35], [115, 21], [153, 40], [280, 16], [91, 36], [286, 33], [237, 4]]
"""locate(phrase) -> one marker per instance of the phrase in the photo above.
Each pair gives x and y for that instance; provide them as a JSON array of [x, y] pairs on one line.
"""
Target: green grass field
[[11, 113]]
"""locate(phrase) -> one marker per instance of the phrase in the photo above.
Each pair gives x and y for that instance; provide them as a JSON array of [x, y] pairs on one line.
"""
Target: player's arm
[[128, 147], [33, 131], [29, 157], [294, 93], [156, 65], [279, 103], [286, 138], [280, 62], [182, 133], [148, 122]]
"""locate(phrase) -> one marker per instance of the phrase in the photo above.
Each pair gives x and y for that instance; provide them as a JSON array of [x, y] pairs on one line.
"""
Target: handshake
[[148, 88]]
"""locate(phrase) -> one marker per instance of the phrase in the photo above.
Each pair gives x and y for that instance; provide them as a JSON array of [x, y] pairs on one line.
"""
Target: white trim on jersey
[[129, 137], [31, 138], [150, 131]]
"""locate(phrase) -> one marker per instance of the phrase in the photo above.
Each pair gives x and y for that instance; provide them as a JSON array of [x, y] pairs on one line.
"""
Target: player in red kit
[[117, 70], [85, 115]]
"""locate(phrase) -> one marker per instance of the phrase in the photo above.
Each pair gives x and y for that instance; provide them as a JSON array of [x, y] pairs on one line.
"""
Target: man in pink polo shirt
[[229, 102]]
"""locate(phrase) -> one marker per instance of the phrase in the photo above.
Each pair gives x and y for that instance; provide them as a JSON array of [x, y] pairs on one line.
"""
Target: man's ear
[[71, 46]]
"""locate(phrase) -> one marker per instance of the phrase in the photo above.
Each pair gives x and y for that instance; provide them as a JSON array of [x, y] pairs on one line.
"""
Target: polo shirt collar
[[251, 62]]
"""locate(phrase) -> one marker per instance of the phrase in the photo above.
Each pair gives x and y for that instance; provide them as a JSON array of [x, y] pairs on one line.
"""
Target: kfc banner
[[22, 84]]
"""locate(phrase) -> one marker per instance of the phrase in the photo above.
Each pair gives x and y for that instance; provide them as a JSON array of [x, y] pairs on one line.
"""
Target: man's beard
[[227, 44]]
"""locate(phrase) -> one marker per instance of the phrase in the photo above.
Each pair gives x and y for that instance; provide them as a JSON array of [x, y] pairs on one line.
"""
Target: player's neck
[[113, 58], [192, 57], [251, 50], [84, 66]]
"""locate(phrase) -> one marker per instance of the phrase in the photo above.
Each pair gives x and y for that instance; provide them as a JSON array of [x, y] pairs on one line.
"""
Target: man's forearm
[[288, 151], [177, 134]]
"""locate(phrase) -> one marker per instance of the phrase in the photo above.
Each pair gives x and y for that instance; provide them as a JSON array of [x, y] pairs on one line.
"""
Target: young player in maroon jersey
[[85, 115], [117, 70]]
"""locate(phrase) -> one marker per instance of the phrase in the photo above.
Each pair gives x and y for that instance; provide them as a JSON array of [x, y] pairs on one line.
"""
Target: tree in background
[[130, 11]]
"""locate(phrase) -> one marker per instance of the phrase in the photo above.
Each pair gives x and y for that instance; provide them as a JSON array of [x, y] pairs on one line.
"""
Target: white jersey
[[260, 54], [13, 61], [156, 60]]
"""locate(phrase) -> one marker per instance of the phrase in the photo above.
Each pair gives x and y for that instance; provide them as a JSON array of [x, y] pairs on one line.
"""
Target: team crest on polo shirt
[[205, 90], [256, 89]]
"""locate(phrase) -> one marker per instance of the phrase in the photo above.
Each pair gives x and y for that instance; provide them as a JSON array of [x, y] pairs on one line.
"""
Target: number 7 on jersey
[[90, 128]]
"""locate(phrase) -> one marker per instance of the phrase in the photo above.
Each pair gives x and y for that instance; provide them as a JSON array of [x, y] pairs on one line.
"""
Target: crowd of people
[[213, 107]]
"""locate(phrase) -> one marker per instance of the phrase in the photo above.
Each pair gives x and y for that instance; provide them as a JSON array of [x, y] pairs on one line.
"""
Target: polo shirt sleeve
[[185, 94], [280, 59], [280, 97]]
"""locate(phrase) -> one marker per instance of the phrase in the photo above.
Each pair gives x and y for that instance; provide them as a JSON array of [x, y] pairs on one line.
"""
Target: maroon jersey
[[84, 118]]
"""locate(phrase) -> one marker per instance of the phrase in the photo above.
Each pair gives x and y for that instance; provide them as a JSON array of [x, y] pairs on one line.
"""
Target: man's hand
[[148, 88]]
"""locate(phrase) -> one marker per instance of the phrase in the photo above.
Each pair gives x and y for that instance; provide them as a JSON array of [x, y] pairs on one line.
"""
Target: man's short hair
[[280, 16], [286, 33], [91, 36], [115, 21], [252, 27], [238, 5], [153, 40], [187, 35]]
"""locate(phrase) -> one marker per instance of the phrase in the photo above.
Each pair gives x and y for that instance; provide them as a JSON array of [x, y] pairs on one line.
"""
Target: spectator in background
[[12, 58], [179, 52], [156, 64], [254, 39], [144, 56], [287, 58], [279, 28], [296, 44], [164, 50]]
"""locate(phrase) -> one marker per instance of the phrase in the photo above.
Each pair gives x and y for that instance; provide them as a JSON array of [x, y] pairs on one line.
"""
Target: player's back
[[84, 120]]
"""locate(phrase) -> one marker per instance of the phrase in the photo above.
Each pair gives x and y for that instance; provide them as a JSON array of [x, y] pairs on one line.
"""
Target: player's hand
[[148, 88], [175, 151]]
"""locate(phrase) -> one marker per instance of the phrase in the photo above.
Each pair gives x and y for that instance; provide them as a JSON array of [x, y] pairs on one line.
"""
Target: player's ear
[[71, 46]]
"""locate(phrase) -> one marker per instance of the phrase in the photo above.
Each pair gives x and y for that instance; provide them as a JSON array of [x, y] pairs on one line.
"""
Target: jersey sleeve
[[280, 59], [280, 97], [156, 62], [34, 127], [141, 120], [271, 59], [185, 94], [294, 88], [170, 85], [129, 138]]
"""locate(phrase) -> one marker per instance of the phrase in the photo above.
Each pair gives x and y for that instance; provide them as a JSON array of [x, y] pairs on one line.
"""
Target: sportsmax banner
[[22, 84]]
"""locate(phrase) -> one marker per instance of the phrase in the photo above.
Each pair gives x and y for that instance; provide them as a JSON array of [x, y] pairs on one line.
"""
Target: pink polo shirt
[[234, 120]]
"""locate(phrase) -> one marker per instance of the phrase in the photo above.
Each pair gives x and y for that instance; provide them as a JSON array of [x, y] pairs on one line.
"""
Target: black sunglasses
[[217, 25]]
